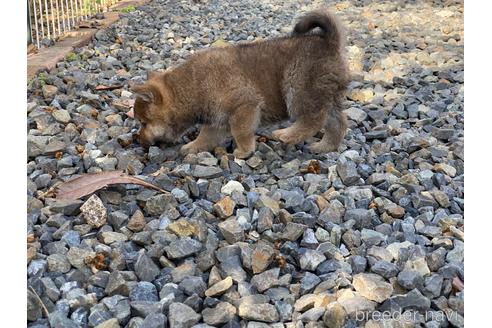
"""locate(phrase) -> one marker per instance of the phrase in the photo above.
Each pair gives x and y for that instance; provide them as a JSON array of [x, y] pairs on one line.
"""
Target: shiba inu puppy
[[232, 90]]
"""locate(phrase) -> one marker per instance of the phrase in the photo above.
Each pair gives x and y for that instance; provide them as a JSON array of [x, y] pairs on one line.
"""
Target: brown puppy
[[231, 90]]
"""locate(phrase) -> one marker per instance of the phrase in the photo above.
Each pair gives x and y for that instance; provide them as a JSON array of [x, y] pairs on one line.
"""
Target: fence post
[[29, 30]]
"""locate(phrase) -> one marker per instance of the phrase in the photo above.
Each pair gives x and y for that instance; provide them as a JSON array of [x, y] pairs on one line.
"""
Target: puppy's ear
[[144, 92]]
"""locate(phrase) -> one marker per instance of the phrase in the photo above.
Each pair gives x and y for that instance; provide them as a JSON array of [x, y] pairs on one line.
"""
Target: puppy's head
[[153, 109]]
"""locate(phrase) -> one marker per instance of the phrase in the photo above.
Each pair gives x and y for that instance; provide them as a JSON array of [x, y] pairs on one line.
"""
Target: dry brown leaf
[[94, 113], [262, 139], [80, 148], [92, 182], [58, 155], [313, 167], [108, 87], [100, 261], [161, 170]]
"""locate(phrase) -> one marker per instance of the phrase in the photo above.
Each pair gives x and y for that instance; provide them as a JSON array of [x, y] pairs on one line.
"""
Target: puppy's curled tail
[[330, 27]]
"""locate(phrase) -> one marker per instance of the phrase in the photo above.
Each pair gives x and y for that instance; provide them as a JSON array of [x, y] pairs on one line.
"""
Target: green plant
[[42, 78], [71, 56], [90, 6], [127, 9]]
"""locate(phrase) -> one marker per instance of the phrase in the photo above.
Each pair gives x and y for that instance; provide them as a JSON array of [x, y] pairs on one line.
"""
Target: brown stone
[[224, 207]]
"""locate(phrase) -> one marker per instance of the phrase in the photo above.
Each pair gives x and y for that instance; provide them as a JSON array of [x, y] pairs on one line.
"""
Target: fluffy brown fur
[[232, 90]]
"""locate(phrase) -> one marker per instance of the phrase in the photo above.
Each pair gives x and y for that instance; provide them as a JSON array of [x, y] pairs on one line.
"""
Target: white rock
[[232, 186]]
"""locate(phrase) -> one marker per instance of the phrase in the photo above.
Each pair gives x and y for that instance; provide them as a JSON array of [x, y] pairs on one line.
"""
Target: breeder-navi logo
[[407, 316]]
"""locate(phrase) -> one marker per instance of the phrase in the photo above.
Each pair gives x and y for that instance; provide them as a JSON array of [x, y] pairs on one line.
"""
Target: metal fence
[[47, 20]]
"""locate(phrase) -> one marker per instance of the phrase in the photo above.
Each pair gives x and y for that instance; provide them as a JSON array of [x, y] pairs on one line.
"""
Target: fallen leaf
[[161, 170], [94, 113], [108, 87], [58, 155], [92, 182], [80, 148], [314, 167], [99, 262], [262, 139]]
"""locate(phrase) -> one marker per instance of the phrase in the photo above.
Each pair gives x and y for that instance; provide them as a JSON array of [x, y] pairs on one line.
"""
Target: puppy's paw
[[278, 134], [322, 147], [287, 136], [242, 154], [189, 148]]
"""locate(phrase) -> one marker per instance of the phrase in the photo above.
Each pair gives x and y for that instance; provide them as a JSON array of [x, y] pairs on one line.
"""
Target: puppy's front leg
[[243, 125], [208, 138]]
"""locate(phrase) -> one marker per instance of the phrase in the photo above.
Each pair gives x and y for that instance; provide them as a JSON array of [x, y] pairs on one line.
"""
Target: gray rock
[[145, 268], [410, 279], [191, 285], [37, 268], [220, 314], [308, 282], [433, 285], [58, 263], [182, 316], [144, 291], [266, 279], [284, 310], [335, 316], [356, 114], [348, 173], [207, 172], [358, 264], [309, 239], [309, 259], [385, 269], [361, 217], [232, 230], [265, 219], [117, 284], [413, 300], [59, 320], [183, 247], [313, 314], [436, 259], [111, 323], [154, 320], [372, 287], [232, 267], [34, 309], [372, 237], [258, 312]]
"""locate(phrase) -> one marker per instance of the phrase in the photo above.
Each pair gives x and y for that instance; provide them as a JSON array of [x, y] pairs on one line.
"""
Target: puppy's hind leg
[[335, 128], [304, 127]]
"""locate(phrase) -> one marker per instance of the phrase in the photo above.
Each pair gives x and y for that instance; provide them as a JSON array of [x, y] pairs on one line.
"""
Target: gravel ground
[[283, 239]]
